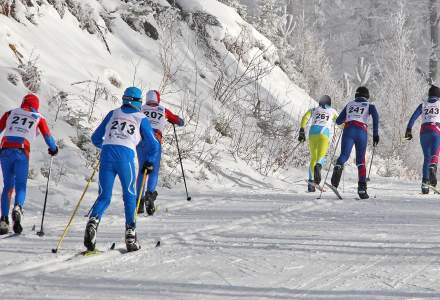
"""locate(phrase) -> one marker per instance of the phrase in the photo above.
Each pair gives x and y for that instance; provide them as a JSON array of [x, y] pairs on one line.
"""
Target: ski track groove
[[68, 261]]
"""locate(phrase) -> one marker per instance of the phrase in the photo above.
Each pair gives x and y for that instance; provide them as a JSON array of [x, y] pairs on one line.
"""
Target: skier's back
[[20, 126], [117, 137], [355, 116], [429, 136]]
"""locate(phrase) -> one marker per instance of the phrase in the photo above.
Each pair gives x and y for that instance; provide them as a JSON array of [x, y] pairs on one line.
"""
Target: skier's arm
[[306, 117], [150, 143], [48, 138], [414, 117], [173, 119], [342, 116], [98, 134], [375, 116], [3, 121]]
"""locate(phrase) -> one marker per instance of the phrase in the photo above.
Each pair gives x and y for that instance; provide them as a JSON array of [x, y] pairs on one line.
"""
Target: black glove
[[302, 136], [375, 140], [148, 166], [53, 152], [408, 134]]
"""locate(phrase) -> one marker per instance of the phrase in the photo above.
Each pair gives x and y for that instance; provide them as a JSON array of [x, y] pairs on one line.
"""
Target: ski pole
[[144, 180], [55, 250], [371, 163], [188, 198], [330, 164], [41, 232]]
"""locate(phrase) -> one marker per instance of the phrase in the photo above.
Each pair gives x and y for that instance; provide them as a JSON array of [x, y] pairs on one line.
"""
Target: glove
[[408, 134], [302, 136], [53, 152], [148, 166], [181, 122], [375, 140]]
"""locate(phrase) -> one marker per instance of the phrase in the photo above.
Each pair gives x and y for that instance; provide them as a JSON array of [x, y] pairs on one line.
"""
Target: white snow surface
[[243, 236], [237, 243]]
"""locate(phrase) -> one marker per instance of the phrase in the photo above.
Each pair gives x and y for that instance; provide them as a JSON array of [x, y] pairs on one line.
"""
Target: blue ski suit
[[15, 149], [429, 132], [355, 133], [119, 160]]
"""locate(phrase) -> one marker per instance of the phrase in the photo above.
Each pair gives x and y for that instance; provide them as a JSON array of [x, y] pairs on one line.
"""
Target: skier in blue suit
[[117, 137], [429, 136], [355, 116]]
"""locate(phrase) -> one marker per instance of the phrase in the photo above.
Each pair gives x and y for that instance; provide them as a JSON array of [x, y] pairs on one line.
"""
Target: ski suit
[[355, 116], [429, 131], [20, 127], [158, 115], [117, 137], [323, 119]]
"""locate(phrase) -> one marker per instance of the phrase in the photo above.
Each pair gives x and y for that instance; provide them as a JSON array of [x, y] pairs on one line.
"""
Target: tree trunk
[[433, 59]]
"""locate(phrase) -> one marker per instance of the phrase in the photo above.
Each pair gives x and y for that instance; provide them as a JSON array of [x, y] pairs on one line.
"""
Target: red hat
[[153, 96], [31, 101]]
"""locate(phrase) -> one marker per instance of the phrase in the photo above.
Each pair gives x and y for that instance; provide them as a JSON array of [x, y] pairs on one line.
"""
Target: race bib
[[323, 117], [22, 123], [357, 111], [431, 112], [124, 129], [156, 116]]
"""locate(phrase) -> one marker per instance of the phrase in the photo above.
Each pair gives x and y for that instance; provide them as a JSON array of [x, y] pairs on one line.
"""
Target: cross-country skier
[[20, 126], [117, 137], [429, 136], [322, 123], [158, 116], [355, 116]]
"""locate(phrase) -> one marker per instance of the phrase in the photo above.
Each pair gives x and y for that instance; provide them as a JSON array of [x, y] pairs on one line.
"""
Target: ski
[[317, 186], [91, 252], [335, 190], [434, 189]]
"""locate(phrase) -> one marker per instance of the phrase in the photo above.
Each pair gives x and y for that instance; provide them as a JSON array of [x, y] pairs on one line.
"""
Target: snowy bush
[[31, 74], [84, 13], [13, 78], [59, 6]]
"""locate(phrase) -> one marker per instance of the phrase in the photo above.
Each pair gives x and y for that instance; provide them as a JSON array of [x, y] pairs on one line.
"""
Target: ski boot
[[4, 225], [131, 241], [336, 176], [141, 208], [433, 174], [317, 174], [90, 234], [311, 187], [150, 197], [362, 190], [17, 218], [425, 187]]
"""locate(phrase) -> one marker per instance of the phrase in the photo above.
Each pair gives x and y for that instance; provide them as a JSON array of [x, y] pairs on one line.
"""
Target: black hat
[[325, 100], [362, 91], [434, 91]]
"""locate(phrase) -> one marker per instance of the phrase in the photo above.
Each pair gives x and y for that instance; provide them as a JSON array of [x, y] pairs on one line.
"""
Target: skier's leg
[[126, 173], [107, 176], [313, 147], [361, 142], [425, 142], [324, 142], [21, 169], [153, 177], [7, 164], [347, 143], [8, 188], [435, 151]]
